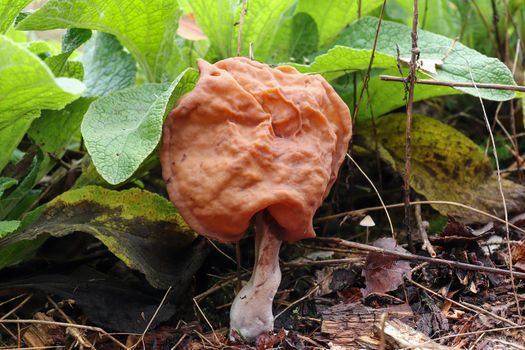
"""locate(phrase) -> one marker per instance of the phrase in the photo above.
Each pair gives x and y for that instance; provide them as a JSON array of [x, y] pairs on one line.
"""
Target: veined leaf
[[137, 226], [107, 66], [27, 86], [9, 9], [146, 29], [121, 129]]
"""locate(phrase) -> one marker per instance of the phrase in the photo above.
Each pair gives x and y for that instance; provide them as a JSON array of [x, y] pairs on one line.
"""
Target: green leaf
[[9, 9], [341, 60], [121, 129], [6, 183], [146, 29], [73, 38], [460, 63], [445, 165], [10, 201], [6, 227], [107, 66], [304, 36], [59, 64], [53, 131], [137, 226], [332, 16], [384, 97], [26, 86], [218, 20]]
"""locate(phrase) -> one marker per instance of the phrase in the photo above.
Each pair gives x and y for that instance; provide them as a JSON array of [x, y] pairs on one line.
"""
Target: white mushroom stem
[[251, 312]]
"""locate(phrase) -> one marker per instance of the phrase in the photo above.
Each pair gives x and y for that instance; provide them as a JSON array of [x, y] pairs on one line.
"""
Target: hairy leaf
[[445, 166], [137, 226], [26, 86], [146, 29], [121, 129], [107, 66]]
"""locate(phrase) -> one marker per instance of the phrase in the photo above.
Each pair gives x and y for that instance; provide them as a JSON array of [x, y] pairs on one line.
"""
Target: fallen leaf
[[384, 273], [445, 166]]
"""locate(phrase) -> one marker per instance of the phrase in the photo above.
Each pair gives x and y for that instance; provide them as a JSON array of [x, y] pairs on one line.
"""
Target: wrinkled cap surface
[[250, 137]]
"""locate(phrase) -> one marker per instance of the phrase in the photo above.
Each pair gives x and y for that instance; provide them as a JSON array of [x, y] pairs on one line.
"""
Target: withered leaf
[[384, 273]]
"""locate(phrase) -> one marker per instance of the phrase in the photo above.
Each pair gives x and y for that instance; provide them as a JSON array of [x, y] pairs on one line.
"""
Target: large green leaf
[[107, 66], [121, 129], [445, 165], [27, 86], [53, 131], [332, 16], [9, 9], [146, 29], [218, 19], [459, 63], [141, 228], [60, 66]]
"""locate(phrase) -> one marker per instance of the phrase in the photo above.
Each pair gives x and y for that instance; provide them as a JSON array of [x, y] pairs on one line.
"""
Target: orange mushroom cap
[[250, 137]]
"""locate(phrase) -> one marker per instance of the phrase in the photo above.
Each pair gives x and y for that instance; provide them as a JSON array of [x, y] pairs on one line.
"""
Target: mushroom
[[251, 141]]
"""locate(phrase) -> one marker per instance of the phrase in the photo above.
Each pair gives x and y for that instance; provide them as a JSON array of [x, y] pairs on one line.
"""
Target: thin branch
[[414, 257], [241, 23], [408, 129], [453, 84], [370, 63]]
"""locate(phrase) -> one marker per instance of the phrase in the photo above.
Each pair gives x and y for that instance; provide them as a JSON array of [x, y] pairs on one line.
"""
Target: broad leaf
[[332, 16], [121, 129], [5, 184], [304, 38], [26, 86], [59, 64], [445, 166], [137, 226], [219, 18], [107, 66], [146, 29], [460, 63], [9, 9], [53, 131], [6, 227]]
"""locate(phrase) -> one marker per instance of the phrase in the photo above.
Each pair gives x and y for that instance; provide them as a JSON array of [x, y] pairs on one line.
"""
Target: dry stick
[[470, 308], [367, 76], [239, 43], [423, 226], [241, 23], [22, 303], [502, 193], [73, 331], [64, 324], [408, 129], [455, 83], [415, 257]]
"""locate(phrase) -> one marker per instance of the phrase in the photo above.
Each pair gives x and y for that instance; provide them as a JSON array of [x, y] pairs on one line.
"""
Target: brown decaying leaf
[[518, 256], [384, 273]]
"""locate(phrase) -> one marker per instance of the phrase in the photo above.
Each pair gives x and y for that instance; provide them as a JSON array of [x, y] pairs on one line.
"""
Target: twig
[[455, 83], [72, 330], [22, 303], [423, 226], [399, 205], [64, 324], [470, 308], [206, 319], [328, 262], [408, 129], [368, 70], [415, 257], [241, 23], [141, 339]]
